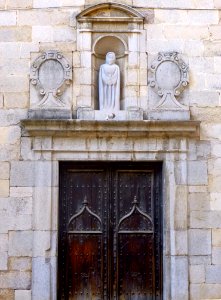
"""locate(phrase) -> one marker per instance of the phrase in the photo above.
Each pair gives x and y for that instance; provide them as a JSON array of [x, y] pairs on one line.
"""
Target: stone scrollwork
[[169, 78], [50, 74]]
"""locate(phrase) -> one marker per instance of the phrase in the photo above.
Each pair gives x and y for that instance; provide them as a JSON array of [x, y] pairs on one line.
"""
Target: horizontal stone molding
[[147, 128]]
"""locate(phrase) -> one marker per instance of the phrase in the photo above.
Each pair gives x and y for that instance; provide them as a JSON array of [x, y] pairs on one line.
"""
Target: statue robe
[[109, 87]]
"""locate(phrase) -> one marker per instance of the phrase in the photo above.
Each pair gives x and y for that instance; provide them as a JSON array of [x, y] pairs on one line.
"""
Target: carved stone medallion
[[50, 74], [169, 78]]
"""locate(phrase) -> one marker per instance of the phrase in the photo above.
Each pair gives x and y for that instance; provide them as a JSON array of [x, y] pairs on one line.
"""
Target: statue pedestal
[[132, 113]]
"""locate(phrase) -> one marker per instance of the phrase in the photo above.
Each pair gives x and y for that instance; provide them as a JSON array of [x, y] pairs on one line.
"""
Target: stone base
[[49, 114], [169, 115], [87, 113]]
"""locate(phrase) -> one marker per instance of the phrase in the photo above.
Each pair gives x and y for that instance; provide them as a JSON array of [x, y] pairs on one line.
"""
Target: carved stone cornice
[[146, 128]]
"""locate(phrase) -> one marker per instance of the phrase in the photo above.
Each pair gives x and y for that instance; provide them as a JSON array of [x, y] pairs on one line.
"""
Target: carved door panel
[[109, 232]]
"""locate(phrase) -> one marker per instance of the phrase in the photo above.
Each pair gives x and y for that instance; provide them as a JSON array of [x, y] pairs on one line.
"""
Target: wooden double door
[[110, 241]]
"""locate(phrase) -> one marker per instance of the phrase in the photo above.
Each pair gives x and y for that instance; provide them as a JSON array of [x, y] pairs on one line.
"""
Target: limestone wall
[[190, 27]]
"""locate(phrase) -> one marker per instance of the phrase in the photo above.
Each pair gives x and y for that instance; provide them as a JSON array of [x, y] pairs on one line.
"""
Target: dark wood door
[[110, 240]]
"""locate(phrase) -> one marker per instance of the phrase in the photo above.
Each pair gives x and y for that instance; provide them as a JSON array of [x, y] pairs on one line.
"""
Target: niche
[[102, 28], [102, 45]]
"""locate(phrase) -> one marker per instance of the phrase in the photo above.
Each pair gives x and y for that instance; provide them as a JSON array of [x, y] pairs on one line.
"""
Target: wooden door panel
[[134, 234], [83, 234], [85, 273], [136, 267], [109, 232]]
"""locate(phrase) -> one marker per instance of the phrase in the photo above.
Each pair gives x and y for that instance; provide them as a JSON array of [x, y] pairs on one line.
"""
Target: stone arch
[[93, 11], [115, 44]]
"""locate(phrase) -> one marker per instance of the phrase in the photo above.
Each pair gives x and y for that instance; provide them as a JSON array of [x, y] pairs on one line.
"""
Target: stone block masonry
[[29, 159]]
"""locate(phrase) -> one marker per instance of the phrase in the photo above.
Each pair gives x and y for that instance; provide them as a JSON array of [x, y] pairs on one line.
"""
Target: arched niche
[[103, 28], [104, 44]]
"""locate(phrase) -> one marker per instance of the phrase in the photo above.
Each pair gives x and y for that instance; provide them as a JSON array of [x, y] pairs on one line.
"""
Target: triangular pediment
[[109, 11]]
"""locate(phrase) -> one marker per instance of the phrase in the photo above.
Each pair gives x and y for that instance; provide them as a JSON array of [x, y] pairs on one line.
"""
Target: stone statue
[[109, 84]]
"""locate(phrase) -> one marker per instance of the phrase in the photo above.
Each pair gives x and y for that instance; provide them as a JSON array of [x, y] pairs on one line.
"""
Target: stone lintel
[[140, 128]]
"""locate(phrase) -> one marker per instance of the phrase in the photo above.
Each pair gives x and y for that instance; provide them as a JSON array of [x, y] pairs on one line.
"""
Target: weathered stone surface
[[1, 100], [205, 219], [212, 48], [216, 255], [181, 172], [6, 294], [22, 174], [44, 241], [3, 242], [4, 188], [200, 237], [16, 100], [180, 211], [20, 243], [62, 34], [217, 4], [37, 35], [22, 295], [215, 201], [203, 149], [197, 173], [43, 17], [7, 18], [215, 149], [169, 115], [197, 274], [12, 116], [3, 261], [15, 280], [199, 201], [49, 114], [10, 135], [41, 279], [178, 241], [46, 4], [80, 2], [198, 189], [21, 191], [4, 170], [19, 3], [204, 99], [193, 17], [200, 260], [179, 277], [194, 32], [42, 209], [19, 263], [14, 67], [214, 184], [213, 274], [14, 83], [15, 34], [216, 237]]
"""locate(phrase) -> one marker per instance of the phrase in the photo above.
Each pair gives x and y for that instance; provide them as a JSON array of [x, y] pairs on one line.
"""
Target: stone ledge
[[146, 128]]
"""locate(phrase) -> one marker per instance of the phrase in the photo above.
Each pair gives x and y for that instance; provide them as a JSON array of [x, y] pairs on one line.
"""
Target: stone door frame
[[51, 141]]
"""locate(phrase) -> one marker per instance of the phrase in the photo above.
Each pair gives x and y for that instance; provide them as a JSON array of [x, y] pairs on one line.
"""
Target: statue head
[[110, 58]]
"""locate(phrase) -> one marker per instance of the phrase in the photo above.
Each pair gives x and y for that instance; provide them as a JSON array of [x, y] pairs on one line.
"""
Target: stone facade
[[30, 149]]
